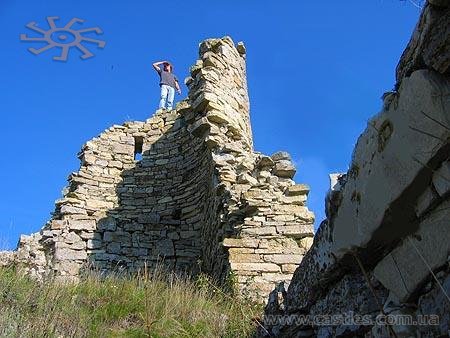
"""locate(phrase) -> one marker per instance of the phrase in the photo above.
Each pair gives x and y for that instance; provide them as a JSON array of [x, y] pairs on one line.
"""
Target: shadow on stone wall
[[167, 205], [160, 212]]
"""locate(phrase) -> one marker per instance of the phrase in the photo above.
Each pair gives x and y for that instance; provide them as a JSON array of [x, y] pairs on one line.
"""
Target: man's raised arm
[[156, 65], [177, 86]]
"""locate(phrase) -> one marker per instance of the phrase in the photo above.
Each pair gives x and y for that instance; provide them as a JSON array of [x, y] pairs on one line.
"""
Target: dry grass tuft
[[156, 304]]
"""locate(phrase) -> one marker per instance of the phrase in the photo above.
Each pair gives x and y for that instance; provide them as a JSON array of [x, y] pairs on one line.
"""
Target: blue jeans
[[167, 96]]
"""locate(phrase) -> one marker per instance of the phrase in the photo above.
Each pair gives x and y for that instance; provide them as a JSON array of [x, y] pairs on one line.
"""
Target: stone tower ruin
[[185, 189]]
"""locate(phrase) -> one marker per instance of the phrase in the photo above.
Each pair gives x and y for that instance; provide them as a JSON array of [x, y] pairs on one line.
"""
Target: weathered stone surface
[[298, 189], [265, 162], [404, 150], [165, 248], [259, 267], [283, 259], [435, 303], [82, 224], [425, 201], [405, 268], [241, 243], [298, 230], [385, 241], [66, 254], [429, 47], [284, 168], [441, 179], [281, 155]]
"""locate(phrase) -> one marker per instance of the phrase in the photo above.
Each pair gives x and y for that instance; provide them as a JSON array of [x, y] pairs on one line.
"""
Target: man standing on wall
[[168, 83]]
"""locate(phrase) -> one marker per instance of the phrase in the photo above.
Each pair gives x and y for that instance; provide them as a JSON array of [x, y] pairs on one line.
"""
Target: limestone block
[[283, 259], [68, 209], [71, 201], [404, 269], [296, 199], [66, 267], [254, 222], [122, 237], [114, 248], [241, 48], [82, 224], [115, 164], [259, 267], [107, 223], [299, 230], [212, 142], [264, 174], [333, 197], [93, 244], [281, 218], [237, 251], [298, 189], [66, 254], [57, 224], [152, 218], [200, 128], [133, 227], [425, 200], [284, 168], [289, 268], [240, 242], [164, 248], [259, 231], [189, 234], [165, 200], [101, 163], [202, 101], [265, 162], [196, 68], [441, 179], [266, 281], [281, 155], [98, 204], [88, 158], [125, 149], [246, 178], [49, 233], [218, 117], [279, 245], [244, 257], [71, 238], [306, 242]]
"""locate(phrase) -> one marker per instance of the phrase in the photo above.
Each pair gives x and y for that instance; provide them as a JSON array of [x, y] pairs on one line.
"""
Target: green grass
[[155, 305]]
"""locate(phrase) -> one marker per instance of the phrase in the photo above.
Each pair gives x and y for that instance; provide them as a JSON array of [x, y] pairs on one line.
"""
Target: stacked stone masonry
[[184, 189], [384, 248]]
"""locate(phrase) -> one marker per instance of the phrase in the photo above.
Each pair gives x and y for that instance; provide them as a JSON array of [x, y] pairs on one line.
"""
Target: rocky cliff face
[[184, 189], [384, 247]]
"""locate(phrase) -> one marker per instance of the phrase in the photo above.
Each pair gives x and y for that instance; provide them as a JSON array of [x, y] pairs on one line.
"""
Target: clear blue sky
[[316, 71]]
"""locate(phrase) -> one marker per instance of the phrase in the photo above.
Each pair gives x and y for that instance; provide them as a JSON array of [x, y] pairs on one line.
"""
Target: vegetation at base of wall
[[155, 304]]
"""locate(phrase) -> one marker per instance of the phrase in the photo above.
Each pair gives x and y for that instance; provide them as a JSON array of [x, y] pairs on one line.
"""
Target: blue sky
[[316, 72]]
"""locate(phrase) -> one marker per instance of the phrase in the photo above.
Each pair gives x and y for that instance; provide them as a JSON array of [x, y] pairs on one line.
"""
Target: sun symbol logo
[[63, 37]]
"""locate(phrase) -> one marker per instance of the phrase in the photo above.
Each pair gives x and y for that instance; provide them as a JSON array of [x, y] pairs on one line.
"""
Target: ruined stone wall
[[384, 247], [118, 212], [199, 198], [260, 227]]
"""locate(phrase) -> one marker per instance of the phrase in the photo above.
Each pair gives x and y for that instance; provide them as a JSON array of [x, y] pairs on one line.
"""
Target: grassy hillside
[[159, 305]]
